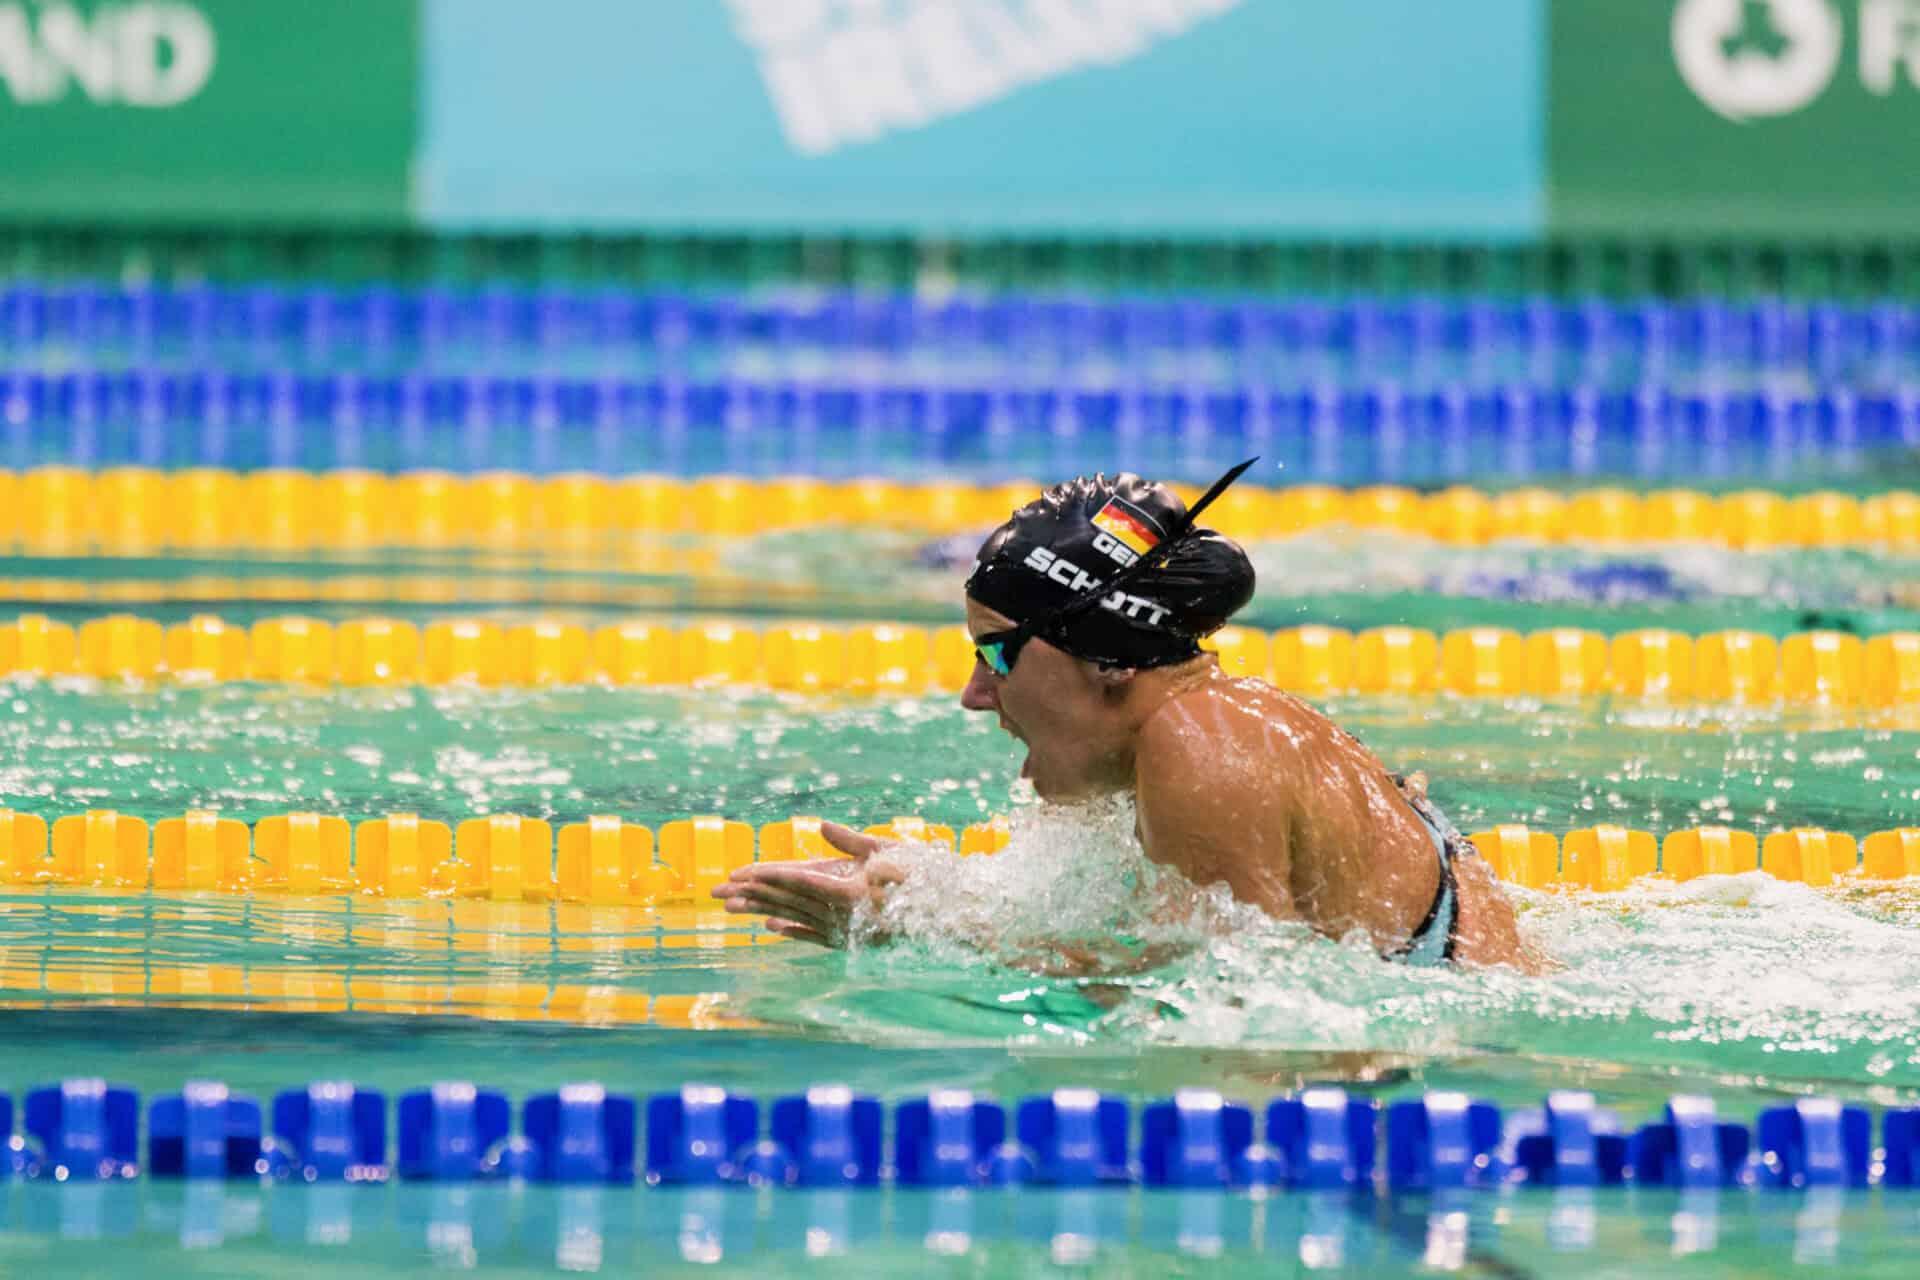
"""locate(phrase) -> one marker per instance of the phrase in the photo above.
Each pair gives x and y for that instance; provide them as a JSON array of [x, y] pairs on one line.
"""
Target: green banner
[[217, 111], [1717, 118]]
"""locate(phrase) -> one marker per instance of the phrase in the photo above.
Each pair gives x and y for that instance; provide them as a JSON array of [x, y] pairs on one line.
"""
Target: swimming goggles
[[999, 650]]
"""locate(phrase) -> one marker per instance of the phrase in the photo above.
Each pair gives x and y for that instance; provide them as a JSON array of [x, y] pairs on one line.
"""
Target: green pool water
[[1744, 987]]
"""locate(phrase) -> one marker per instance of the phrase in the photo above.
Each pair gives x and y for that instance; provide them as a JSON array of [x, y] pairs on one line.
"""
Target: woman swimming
[[1086, 610]]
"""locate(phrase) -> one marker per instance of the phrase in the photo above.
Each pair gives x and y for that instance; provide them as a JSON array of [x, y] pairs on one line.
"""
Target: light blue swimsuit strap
[[1432, 944]]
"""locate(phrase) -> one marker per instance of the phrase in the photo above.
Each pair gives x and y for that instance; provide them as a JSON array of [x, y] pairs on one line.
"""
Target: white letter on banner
[[1062, 28], [1011, 44], [865, 69], [767, 24], [166, 54], [956, 76], [20, 68], [75, 49], [806, 116], [1889, 39]]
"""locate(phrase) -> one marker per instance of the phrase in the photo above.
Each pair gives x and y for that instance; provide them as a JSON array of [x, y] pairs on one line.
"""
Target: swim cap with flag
[[1112, 570]]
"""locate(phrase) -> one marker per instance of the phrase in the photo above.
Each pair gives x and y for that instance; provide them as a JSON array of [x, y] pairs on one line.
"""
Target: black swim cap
[[1077, 537]]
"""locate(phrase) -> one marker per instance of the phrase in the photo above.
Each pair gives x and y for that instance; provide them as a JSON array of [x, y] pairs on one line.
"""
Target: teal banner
[[1270, 118], [207, 111]]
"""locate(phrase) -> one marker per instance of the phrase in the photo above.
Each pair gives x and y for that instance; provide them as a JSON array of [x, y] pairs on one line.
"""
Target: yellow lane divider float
[[605, 861], [1829, 668], [141, 510]]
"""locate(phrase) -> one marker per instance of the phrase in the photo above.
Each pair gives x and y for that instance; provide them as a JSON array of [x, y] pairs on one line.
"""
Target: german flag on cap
[[1130, 526]]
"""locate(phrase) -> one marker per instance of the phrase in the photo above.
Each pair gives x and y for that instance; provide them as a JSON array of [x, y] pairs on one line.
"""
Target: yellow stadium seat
[[1607, 516], [888, 657], [1566, 661], [1808, 855], [34, 644], [121, 647], [1892, 669], [304, 853], [1607, 857], [1394, 660], [1708, 851], [396, 856], [463, 651], [100, 847], [637, 653], [504, 858], [1243, 651], [1489, 661], [377, 651], [1313, 659], [604, 861], [9, 509], [1827, 667], [1735, 666], [804, 656], [206, 648], [872, 503], [1520, 856], [293, 650], [1891, 855]]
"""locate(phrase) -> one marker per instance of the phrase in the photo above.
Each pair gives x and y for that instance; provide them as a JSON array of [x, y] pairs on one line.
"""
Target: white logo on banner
[[841, 72], [143, 55], [1748, 58]]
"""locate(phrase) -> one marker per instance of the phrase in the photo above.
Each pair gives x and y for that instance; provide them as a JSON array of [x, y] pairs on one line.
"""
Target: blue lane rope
[[1323, 1140]]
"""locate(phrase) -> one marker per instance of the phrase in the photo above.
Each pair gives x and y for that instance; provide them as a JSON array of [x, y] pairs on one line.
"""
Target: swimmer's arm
[[1212, 806]]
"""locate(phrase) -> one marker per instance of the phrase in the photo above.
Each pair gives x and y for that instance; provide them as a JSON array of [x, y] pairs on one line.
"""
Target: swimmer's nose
[[980, 693]]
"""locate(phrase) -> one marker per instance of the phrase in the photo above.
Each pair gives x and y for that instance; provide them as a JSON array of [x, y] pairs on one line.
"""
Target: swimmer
[[1086, 610]]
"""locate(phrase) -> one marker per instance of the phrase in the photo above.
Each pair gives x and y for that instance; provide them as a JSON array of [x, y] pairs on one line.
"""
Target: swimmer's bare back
[[1239, 782]]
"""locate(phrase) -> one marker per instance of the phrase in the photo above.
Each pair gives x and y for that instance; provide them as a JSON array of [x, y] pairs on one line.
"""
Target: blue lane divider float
[[830, 1137], [1320, 429], [204, 1132], [382, 321]]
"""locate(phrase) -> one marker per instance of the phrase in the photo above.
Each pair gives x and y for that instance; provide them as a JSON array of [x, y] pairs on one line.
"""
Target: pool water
[[1746, 987]]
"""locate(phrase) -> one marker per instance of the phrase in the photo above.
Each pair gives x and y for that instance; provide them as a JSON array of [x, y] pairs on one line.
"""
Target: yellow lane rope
[[1814, 668], [65, 511], [605, 861]]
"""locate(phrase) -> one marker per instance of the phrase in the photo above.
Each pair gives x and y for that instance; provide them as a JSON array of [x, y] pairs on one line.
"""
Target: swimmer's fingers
[[855, 844], [825, 916], [798, 932]]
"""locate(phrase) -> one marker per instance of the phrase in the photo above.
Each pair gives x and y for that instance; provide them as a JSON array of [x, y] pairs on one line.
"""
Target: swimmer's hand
[[814, 901]]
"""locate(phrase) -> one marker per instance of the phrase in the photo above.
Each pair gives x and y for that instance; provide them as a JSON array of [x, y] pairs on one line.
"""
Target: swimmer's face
[[1062, 708]]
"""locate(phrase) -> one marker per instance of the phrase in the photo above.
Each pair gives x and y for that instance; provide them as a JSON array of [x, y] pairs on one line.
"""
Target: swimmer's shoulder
[[1222, 722]]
